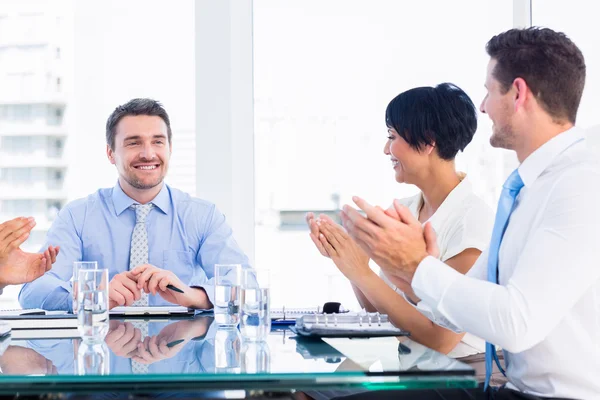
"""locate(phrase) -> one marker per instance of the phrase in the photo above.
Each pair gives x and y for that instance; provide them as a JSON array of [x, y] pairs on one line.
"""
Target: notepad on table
[[20, 311], [340, 325], [34, 334], [151, 311], [61, 321]]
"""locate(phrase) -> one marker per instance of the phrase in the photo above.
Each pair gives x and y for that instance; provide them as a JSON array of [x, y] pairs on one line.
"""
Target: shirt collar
[[537, 162], [454, 201], [451, 203], [121, 201]]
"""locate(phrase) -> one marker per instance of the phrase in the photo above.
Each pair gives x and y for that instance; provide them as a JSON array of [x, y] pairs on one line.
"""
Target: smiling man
[[147, 234]]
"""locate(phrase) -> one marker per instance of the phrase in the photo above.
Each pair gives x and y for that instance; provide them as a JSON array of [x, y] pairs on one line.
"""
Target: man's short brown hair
[[550, 63]]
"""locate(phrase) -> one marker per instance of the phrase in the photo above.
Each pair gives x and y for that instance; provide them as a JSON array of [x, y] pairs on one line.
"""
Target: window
[[53, 207], [322, 84], [11, 145], [17, 207], [55, 147], [16, 177], [34, 35], [54, 115], [54, 179], [16, 112]]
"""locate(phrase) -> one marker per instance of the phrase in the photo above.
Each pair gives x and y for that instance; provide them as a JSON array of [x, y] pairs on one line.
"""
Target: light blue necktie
[[510, 190]]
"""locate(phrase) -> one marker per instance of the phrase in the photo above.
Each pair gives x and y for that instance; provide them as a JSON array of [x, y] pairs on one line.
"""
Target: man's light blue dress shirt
[[186, 235]]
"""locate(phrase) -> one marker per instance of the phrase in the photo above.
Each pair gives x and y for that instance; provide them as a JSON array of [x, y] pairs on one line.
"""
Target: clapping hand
[[394, 238], [17, 266], [333, 242]]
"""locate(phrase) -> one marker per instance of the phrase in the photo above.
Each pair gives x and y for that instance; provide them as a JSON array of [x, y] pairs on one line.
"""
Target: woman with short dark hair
[[427, 127]]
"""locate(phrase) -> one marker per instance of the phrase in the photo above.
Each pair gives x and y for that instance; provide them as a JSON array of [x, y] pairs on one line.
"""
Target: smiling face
[[141, 151], [498, 106], [406, 161]]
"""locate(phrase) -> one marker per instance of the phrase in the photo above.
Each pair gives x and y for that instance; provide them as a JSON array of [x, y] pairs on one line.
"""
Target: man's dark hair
[[550, 63], [135, 107], [444, 115]]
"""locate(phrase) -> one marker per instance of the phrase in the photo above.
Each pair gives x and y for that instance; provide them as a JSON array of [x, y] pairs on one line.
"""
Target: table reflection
[[179, 346], [199, 346], [92, 359]]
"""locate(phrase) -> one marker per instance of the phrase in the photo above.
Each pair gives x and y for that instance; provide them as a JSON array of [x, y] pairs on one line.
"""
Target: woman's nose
[[386, 148]]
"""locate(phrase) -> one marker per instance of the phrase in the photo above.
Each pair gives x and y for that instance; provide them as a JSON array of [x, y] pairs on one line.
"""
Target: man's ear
[[110, 154], [521, 92]]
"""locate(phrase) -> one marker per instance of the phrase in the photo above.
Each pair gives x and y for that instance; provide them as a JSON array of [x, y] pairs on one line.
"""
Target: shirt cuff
[[59, 300], [208, 288], [432, 279]]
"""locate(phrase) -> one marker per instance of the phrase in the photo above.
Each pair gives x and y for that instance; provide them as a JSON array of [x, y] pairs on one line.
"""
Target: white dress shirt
[[463, 221], [545, 311]]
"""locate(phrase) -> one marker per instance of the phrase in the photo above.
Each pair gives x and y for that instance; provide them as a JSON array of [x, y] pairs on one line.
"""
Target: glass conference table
[[193, 355]]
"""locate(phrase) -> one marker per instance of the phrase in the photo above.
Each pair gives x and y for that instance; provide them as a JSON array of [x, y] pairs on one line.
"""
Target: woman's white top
[[463, 221]]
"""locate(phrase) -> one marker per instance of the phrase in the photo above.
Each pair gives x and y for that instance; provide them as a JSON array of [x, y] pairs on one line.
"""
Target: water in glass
[[256, 358], [227, 305], [228, 350], [93, 359], [92, 316], [77, 266], [255, 323]]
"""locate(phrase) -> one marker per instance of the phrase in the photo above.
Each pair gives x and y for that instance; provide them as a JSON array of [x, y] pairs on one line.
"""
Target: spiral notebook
[[290, 313], [340, 325]]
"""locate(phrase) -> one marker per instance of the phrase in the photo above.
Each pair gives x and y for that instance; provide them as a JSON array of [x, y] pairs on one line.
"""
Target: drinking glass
[[255, 322], [79, 265], [92, 316], [227, 294], [93, 358], [228, 350], [256, 358]]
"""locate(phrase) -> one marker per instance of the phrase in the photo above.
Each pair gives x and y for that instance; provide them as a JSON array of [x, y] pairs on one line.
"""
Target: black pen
[[175, 289], [175, 343]]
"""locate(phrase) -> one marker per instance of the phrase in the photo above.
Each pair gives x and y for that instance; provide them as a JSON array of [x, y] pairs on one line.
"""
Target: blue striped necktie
[[510, 190]]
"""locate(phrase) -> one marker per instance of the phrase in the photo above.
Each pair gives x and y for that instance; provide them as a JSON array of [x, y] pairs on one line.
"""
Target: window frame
[[225, 109]]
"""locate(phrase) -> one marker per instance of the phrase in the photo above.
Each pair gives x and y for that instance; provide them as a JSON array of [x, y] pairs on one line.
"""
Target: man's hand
[[123, 290], [17, 266], [171, 340], [123, 338], [350, 259], [153, 349], [154, 280], [18, 360], [396, 245]]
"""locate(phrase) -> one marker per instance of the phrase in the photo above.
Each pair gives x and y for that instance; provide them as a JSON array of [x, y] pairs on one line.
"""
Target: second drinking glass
[[255, 323], [227, 294]]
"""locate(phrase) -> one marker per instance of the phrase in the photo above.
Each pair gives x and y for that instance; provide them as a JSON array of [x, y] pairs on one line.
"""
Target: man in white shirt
[[537, 288]]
